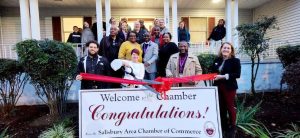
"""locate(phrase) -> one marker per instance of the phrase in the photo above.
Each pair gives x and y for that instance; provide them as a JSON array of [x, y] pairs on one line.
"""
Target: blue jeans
[[150, 76]]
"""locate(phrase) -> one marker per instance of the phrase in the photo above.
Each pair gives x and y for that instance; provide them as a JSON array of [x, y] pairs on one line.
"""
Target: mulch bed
[[19, 122], [278, 110]]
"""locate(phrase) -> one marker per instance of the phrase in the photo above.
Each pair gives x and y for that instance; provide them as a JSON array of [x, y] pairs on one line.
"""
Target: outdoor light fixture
[[216, 1]]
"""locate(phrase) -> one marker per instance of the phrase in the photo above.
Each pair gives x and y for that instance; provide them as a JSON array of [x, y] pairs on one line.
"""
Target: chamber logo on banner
[[185, 112], [209, 128]]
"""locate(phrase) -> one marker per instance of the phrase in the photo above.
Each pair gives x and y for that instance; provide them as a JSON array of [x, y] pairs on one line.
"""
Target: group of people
[[89, 33], [156, 31], [147, 60], [142, 54], [81, 35]]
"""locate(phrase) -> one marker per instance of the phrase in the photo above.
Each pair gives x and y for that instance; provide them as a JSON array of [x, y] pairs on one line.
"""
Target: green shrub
[[288, 54], [247, 123], [12, 83], [51, 66], [67, 122], [206, 61], [291, 76], [58, 131], [289, 133], [3, 134], [254, 42]]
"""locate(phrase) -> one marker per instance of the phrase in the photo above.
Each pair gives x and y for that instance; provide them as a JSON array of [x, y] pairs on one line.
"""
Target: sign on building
[[186, 112]]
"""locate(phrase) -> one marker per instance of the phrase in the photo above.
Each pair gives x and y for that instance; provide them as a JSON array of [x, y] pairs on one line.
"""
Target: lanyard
[[182, 62]]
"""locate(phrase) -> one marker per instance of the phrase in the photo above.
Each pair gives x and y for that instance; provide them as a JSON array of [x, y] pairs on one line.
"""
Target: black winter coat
[[74, 37], [218, 33], [164, 55], [232, 67], [102, 68]]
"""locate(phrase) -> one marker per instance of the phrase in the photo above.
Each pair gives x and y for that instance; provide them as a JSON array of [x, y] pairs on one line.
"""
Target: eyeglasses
[[132, 35]]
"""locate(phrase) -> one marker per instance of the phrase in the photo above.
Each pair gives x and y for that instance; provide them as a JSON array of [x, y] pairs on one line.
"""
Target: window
[[67, 25], [198, 29]]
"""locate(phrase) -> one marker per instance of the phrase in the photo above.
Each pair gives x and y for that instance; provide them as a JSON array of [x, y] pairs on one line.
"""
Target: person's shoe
[[231, 132], [224, 133]]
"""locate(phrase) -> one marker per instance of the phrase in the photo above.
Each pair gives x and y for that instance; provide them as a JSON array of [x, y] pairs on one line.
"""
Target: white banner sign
[[187, 112]]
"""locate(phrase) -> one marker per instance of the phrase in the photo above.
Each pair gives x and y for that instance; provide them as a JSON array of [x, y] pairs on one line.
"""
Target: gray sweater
[[87, 35]]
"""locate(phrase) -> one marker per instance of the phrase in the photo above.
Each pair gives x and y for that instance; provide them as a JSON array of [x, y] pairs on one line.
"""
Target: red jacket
[[161, 41]]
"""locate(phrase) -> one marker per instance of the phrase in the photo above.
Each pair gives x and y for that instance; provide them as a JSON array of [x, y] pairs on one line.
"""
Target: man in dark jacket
[[93, 64], [94, 29], [140, 32], [216, 36], [75, 37], [109, 48]]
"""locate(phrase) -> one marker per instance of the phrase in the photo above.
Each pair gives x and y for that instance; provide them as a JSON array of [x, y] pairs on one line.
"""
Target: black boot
[[225, 130], [231, 132]]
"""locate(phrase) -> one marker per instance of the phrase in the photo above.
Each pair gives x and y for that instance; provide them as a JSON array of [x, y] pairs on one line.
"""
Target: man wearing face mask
[[93, 64], [183, 64]]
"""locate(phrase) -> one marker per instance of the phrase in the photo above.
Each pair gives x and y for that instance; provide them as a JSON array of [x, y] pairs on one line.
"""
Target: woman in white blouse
[[133, 68]]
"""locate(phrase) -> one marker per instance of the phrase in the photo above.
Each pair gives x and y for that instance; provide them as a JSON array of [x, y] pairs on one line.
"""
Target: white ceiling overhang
[[156, 4]]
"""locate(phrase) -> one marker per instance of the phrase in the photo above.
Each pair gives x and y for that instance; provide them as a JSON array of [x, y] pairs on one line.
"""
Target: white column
[[25, 19], [99, 20], [167, 13], [107, 16], [174, 21], [236, 23], [35, 19], [228, 20], [1, 37]]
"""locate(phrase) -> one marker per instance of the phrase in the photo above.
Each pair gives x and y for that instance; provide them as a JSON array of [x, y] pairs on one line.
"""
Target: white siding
[[288, 16], [11, 34], [11, 28], [11, 31], [245, 16], [46, 28], [1, 39]]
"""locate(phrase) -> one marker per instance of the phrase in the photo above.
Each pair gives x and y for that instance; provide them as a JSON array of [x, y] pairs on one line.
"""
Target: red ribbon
[[164, 87], [167, 82], [87, 76], [161, 88]]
